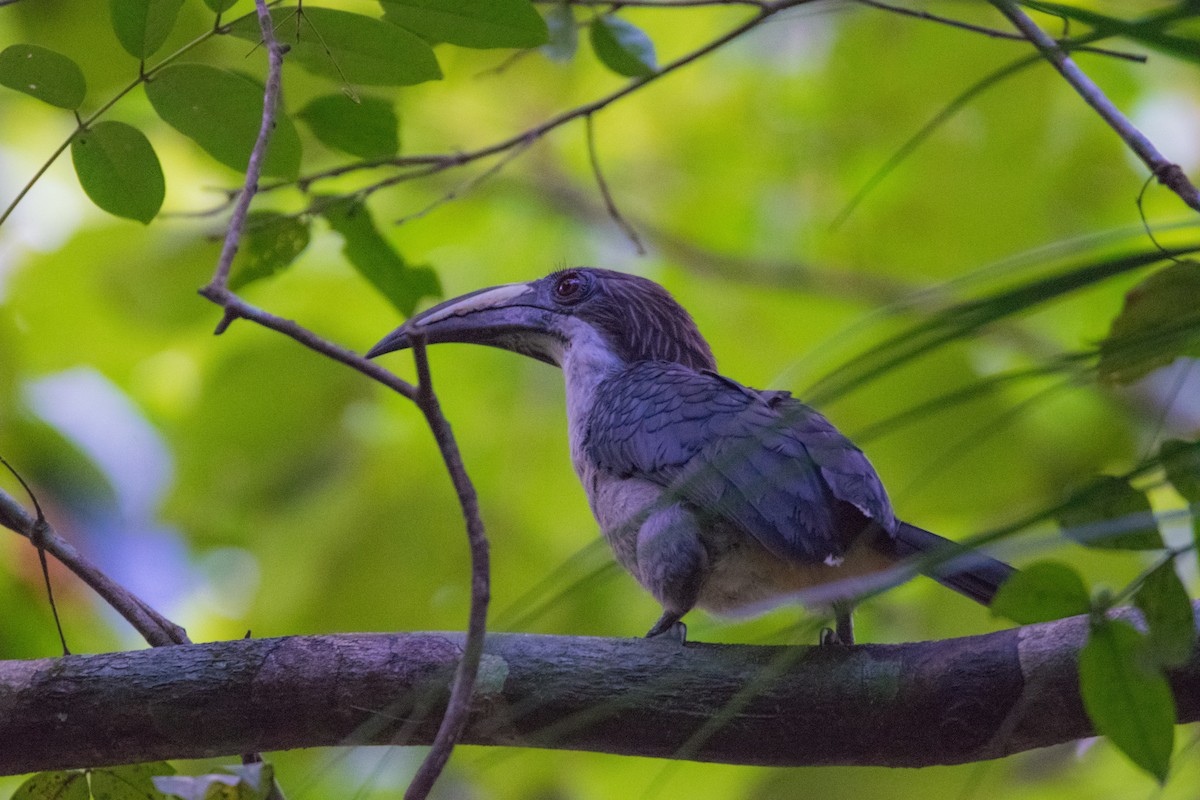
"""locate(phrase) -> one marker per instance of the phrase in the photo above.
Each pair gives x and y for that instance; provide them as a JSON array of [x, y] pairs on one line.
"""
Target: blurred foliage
[[991, 317]]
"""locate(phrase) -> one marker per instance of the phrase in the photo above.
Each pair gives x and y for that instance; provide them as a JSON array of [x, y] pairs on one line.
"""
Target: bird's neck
[[586, 363]]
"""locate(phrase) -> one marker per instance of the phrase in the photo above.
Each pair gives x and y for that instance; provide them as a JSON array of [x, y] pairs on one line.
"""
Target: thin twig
[[233, 233], [156, 629], [1167, 172], [467, 185], [609, 204], [458, 706], [766, 10], [993, 32]]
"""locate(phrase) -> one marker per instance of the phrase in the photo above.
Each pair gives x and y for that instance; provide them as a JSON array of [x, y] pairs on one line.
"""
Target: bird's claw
[[669, 629]]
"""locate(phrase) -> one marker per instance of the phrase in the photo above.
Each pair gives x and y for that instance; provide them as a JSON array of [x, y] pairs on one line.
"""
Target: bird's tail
[[966, 571]]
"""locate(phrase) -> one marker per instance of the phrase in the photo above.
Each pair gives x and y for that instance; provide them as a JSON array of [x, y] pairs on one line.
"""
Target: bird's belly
[[748, 579]]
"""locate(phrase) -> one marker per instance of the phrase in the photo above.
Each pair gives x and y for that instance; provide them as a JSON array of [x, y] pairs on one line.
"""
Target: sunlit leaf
[[564, 33], [1159, 323], [49, 76], [367, 128], [377, 261], [1041, 592], [1169, 617], [118, 170], [67, 785], [1108, 513], [129, 782], [1128, 701], [622, 46], [348, 48], [143, 25], [222, 112], [470, 23], [270, 242]]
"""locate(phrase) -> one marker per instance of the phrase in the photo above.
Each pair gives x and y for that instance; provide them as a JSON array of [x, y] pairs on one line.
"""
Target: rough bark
[[910, 705]]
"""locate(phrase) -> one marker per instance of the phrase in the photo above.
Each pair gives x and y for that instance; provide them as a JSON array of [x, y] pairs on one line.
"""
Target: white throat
[[585, 362]]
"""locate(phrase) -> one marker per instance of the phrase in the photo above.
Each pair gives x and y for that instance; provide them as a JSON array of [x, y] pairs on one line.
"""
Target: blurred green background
[[245, 483]]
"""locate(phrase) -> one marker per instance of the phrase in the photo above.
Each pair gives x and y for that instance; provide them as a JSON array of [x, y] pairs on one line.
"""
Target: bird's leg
[[669, 625], [843, 631], [672, 564]]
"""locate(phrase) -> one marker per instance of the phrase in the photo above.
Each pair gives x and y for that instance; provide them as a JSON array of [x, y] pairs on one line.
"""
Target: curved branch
[[909, 705]]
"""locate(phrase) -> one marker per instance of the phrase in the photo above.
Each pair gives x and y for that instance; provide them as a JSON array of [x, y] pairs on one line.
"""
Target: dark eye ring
[[570, 287]]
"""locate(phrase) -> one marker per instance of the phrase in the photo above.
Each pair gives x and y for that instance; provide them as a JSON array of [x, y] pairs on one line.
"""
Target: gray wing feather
[[763, 460]]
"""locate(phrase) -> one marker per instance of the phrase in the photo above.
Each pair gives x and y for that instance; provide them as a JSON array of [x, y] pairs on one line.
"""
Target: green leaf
[[270, 242], [1041, 592], [67, 785], [377, 261], [222, 112], [350, 48], [219, 6], [1149, 30], [564, 33], [622, 47], [1111, 514], [1127, 701], [470, 23], [130, 782], [1169, 618], [1181, 462], [49, 76], [143, 25], [367, 128], [119, 171], [1159, 323]]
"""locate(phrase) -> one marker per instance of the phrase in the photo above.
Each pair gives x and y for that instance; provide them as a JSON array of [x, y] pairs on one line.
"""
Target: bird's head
[[633, 318]]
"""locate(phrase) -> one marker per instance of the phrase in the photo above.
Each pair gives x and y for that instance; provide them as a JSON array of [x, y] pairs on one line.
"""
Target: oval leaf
[[1181, 462], [222, 112], [1159, 323], [49, 76], [119, 171], [1128, 702], [219, 6], [67, 785], [367, 129], [130, 782], [1170, 621], [377, 261], [1041, 592], [564, 33], [470, 23], [622, 47], [1111, 514], [270, 243], [350, 48], [143, 25]]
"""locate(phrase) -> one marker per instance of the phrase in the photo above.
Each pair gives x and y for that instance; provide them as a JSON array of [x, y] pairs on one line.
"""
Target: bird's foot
[[829, 638], [668, 626]]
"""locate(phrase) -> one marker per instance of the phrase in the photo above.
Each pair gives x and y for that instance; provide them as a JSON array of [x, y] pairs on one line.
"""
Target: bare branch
[[233, 232], [458, 707], [1167, 172], [153, 627], [904, 705], [994, 33], [610, 205]]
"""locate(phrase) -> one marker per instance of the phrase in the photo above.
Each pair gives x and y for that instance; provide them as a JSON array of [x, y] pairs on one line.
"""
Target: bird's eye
[[570, 287]]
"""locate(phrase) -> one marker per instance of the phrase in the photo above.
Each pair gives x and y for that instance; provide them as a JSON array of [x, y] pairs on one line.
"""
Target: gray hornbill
[[710, 493]]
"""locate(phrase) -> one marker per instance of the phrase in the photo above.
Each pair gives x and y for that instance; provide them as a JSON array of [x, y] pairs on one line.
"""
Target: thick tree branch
[[943, 702]]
